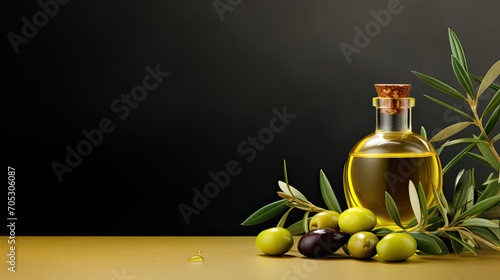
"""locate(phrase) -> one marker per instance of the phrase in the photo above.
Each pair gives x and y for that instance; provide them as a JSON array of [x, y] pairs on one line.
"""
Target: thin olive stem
[[479, 123], [423, 228], [292, 199], [313, 207], [285, 216], [449, 229]]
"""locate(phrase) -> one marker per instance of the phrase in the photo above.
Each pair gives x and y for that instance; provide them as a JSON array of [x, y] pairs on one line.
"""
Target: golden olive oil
[[369, 176], [197, 257]]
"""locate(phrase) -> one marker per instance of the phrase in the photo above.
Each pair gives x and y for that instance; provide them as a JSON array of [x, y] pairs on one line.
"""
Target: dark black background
[[225, 79]]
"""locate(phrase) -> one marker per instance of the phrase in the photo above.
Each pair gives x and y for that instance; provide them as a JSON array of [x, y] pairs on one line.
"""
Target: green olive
[[357, 219], [325, 219], [362, 245], [274, 241], [396, 247]]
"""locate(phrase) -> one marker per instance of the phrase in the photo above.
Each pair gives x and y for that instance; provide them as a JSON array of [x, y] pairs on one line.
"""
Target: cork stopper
[[393, 90], [392, 97]]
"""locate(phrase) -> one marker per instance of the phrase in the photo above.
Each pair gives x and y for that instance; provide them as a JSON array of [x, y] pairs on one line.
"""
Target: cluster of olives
[[330, 230]]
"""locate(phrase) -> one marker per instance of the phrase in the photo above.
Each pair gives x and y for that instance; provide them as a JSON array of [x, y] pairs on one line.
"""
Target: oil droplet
[[199, 253], [196, 258]]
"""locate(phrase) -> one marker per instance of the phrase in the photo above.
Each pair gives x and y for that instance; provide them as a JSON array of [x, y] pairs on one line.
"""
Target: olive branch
[[489, 156], [463, 222]]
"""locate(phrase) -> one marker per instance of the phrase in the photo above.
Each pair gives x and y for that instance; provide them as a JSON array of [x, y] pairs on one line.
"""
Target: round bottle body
[[386, 162]]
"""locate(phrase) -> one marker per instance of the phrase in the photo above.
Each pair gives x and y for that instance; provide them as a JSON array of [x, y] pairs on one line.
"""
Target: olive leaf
[[480, 207], [494, 103], [486, 234], [287, 189], [296, 205], [468, 238], [496, 138], [496, 232], [456, 241], [266, 213], [470, 194], [462, 188], [297, 228], [423, 203], [491, 190], [415, 204], [464, 140], [328, 194], [282, 221], [437, 84], [458, 179], [439, 150], [423, 133], [489, 156], [435, 223], [413, 222], [492, 122], [479, 222], [305, 222], [382, 231], [443, 199], [462, 76], [471, 236], [458, 157], [487, 153], [490, 76], [429, 243], [441, 206], [477, 157], [456, 49], [450, 131], [455, 238], [286, 180], [488, 179], [451, 208], [392, 208], [491, 181], [447, 106], [479, 79]]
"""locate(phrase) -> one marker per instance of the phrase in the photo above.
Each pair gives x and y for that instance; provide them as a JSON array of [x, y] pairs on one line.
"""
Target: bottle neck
[[394, 122]]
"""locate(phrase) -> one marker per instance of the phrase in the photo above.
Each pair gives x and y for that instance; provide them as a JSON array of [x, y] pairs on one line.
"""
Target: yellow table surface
[[129, 258]]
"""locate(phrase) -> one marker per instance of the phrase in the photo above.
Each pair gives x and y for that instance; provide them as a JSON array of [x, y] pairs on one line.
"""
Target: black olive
[[321, 243]]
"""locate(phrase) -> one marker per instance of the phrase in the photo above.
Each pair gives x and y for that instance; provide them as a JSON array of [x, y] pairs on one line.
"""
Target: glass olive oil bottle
[[389, 158]]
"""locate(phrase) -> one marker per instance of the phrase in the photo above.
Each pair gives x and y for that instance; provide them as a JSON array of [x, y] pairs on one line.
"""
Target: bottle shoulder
[[402, 143]]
